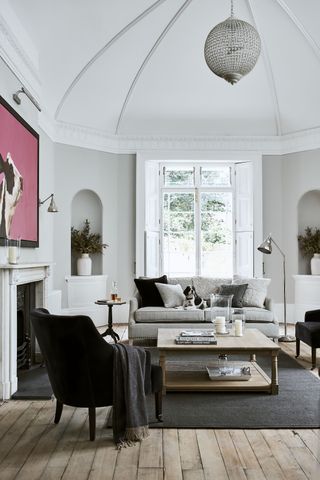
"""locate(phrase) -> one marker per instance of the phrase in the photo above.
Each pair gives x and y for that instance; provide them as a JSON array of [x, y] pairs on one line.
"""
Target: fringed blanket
[[131, 384]]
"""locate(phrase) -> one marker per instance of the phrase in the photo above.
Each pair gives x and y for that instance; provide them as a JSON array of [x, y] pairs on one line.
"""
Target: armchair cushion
[[312, 316]]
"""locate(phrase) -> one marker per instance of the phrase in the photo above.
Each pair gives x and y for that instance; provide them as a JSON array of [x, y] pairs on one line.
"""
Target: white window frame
[[197, 189], [158, 156]]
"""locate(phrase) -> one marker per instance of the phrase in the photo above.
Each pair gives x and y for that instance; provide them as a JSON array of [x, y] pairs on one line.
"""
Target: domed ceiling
[[137, 67]]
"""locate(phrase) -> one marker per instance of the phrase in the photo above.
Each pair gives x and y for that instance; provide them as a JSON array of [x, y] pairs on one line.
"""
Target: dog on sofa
[[192, 299]]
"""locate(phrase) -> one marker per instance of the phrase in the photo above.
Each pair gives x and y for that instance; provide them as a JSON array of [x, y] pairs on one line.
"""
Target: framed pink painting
[[19, 178]]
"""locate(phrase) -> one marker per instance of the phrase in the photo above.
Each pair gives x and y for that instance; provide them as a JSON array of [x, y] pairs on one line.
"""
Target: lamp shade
[[266, 246], [52, 207], [232, 49]]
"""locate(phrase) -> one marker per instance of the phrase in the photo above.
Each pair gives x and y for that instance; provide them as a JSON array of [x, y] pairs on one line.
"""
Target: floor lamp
[[266, 247]]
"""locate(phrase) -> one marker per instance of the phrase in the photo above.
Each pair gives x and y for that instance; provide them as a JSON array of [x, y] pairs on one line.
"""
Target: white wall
[[112, 178], [285, 180], [8, 85]]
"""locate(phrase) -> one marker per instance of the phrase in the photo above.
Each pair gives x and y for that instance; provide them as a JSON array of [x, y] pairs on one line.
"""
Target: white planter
[[315, 264], [84, 264]]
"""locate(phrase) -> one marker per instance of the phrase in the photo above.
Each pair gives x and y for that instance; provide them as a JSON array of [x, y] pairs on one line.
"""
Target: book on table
[[197, 333]]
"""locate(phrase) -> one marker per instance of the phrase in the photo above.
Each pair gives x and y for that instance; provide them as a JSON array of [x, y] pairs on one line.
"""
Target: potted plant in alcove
[[309, 244], [86, 243]]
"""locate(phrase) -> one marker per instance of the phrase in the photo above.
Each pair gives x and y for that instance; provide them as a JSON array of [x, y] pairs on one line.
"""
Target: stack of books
[[196, 337]]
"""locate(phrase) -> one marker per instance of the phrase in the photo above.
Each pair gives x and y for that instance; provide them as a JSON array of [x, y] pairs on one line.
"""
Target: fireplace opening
[[25, 337]]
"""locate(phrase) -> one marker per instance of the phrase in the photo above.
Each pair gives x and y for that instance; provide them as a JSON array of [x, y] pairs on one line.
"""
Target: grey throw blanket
[[131, 384]]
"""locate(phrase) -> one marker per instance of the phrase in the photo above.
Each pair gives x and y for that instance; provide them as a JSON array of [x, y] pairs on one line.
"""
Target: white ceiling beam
[[147, 59], [269, 70], [310, 40], [102, 50]]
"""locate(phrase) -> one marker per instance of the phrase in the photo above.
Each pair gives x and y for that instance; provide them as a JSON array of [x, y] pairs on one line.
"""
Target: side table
[[109, 330]]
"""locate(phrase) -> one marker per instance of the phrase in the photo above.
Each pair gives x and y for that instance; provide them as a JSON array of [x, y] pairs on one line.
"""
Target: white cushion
[[252, 315], [168, 315], [256, 292], [172, 295]]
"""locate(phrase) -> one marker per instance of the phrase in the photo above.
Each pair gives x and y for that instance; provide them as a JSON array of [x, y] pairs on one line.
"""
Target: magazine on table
[[229, 373]]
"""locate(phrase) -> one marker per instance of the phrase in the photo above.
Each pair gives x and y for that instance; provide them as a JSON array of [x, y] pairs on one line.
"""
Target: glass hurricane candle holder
[[13, 249]]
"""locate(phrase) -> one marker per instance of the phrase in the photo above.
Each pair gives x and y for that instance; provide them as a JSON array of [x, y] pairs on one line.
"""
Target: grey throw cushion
[[256, 292], [172, 295], [237, 291]]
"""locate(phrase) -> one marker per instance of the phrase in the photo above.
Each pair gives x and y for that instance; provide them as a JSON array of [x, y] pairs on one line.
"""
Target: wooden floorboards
[[32, 447]]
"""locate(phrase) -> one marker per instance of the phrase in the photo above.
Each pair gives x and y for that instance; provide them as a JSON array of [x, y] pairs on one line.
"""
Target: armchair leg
[[92, 423], [158, 402], [59, 407], [313, 357], [297, 347]]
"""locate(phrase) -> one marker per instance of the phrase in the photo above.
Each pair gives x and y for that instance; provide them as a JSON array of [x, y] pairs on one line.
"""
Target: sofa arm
[[268, 303], [312, 316], [133, 307]]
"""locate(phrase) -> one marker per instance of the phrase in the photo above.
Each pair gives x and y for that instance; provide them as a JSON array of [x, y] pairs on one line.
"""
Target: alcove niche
[[86, 204], [308, 216]]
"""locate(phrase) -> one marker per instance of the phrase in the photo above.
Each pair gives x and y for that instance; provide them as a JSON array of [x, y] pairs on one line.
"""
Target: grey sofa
[[145, 321]]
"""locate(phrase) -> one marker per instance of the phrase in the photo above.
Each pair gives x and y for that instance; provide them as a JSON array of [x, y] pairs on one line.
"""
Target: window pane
[[216, 176], [177, 176], [178, 234], [216, 234]]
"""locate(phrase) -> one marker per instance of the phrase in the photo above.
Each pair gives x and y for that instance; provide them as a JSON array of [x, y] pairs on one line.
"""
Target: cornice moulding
[[90, 138], [17, 59]]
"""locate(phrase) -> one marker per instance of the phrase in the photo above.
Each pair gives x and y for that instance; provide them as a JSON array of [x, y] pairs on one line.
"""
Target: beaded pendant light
[[232, 48]]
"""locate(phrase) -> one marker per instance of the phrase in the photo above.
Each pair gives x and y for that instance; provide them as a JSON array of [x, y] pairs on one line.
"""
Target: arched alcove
[[86, 204], [308, 216]]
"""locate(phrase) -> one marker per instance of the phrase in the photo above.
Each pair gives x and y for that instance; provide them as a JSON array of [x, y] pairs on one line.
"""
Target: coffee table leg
[[253, 357], [274, 374], [162, 362]]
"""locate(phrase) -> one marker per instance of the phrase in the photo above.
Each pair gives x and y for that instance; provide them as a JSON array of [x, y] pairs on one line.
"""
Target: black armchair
[[80, 364], [309, 333]]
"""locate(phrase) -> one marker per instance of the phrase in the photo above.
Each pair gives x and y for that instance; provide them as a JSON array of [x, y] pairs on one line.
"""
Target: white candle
[[238, 328], [12, 255], [220, 324]]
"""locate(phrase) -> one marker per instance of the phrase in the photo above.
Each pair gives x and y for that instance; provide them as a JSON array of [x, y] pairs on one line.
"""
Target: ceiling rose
[[232, 48]]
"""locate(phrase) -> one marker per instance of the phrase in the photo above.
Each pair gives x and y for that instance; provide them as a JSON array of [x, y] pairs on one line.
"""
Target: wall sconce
[[17, 99], [52, 207]]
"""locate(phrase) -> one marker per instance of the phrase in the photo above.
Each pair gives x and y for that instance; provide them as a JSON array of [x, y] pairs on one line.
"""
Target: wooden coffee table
[[187, 374]]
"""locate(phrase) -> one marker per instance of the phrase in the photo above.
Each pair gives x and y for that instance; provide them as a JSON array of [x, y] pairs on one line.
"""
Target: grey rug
[[296, 406], [33, 384]]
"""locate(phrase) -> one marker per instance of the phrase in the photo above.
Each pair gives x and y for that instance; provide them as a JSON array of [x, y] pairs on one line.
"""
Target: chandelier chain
[[232, 9]]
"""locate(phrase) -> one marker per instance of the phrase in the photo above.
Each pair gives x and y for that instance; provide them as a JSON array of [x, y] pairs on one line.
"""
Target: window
[[197, 211]]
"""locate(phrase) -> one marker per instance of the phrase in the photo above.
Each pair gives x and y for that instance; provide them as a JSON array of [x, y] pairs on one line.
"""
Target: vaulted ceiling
[[137, 67]]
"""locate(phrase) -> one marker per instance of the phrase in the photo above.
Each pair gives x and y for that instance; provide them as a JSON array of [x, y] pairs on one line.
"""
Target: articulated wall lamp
[[17, 99], [52, 207]]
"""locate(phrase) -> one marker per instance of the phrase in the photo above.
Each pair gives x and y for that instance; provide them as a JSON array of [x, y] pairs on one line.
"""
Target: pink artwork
[[19, 161]]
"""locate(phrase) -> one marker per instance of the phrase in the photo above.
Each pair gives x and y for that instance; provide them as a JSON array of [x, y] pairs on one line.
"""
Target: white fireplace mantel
[[10, 277]]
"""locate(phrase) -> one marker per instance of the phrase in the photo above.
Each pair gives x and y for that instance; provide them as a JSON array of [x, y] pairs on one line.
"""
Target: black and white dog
[[10, 193], [192, 299]]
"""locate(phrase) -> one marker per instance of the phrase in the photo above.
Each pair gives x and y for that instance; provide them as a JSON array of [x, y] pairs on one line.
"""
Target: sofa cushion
[[183, 281], [172, 295], [256, 291], [252, 314], [205, 286], [237, 291], [168, 315], [149, 293]]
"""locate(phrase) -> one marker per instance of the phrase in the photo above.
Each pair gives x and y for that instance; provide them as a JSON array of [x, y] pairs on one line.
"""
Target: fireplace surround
[[10, 277]]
